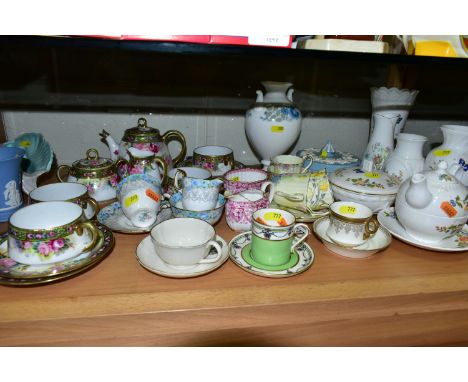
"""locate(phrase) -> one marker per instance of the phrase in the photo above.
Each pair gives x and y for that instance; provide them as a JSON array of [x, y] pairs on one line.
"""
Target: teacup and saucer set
[[275, 247], [182, 248], [139, 207], [306, 195], [51, 241], [352, 231]]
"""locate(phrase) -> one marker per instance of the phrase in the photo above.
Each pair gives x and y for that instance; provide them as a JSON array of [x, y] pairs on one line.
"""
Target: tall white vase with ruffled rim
[[273, 122], [394, 100]]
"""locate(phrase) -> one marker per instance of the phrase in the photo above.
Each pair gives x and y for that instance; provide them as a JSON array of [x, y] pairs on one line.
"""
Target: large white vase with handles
[[273, 123], [454, 151], [394, 100]]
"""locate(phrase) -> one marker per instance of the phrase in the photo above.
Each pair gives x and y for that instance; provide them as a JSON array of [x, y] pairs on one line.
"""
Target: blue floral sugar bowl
[[327, 158]]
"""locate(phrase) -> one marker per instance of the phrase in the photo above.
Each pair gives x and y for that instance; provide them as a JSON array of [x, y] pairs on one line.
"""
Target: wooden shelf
[[402, 296]]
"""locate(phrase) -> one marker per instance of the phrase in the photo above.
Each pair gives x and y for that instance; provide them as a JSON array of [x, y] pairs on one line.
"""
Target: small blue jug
[[11, 197]]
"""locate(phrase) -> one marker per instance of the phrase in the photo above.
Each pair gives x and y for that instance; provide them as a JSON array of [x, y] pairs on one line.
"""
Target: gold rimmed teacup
[[351, 224], [49, 232]]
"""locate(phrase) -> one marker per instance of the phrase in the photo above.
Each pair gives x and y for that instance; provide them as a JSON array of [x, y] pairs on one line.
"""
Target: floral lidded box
[[375, 189]]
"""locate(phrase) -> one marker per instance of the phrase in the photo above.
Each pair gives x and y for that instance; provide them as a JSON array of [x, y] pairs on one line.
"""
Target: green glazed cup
[[271, 252]]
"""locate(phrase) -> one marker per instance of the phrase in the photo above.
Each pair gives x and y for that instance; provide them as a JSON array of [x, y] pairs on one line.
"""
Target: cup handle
[[59, 170], [176, 178], [94, 231], [371, 227], [162, 163], [94, 204], [174, 135], [272, 190], [218, 250], [310, 163], [304, 236], [293, 198]]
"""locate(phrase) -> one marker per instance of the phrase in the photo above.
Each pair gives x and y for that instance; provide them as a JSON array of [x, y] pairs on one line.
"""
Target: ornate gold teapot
[[145, 138]]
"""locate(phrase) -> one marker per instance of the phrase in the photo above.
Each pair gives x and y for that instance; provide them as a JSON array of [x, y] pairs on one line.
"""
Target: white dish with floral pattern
[[452, 242]]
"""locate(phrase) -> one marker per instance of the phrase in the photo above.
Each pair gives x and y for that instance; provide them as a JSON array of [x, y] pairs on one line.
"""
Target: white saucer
[[305, 258], [149, 259], [113, 217], [454, 243], [376, 243]]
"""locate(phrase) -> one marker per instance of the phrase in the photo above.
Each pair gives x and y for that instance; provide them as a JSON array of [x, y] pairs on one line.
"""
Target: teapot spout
[[113, 146], [418, 195]]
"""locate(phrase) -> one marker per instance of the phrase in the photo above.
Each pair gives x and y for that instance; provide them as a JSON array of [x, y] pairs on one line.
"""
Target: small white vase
[[381, 141], [407, 158], [394, 100], [454, 151], [273, 123]]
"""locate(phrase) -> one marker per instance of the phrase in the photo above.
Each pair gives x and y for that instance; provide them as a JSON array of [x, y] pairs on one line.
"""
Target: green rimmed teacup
[[273, 233]]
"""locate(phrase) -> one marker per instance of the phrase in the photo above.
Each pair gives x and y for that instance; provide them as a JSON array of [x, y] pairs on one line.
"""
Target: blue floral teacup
[[200, 194]]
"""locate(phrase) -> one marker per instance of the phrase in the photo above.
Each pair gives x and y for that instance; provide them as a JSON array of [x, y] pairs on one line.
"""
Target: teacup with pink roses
[[49, 232]]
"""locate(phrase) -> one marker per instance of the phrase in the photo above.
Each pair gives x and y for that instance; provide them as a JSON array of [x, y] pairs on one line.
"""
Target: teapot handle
[[174, 135]]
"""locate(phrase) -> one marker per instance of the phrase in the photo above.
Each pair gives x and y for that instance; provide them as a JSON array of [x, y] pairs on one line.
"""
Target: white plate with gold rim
[[305, 258], [13, 273], [378, 242], [452, 243], [149, 259]]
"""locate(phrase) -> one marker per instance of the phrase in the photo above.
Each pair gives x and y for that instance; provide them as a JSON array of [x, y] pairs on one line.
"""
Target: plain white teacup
[[67, 192], [185, 242], [140, 199], [351, 224]]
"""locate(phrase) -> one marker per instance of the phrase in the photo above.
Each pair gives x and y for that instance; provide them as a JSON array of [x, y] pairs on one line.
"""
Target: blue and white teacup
[[200, 194]]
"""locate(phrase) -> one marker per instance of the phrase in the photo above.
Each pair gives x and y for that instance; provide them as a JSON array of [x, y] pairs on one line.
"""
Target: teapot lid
[[141, 133], [371, 183], [93, 162], [441, 175]]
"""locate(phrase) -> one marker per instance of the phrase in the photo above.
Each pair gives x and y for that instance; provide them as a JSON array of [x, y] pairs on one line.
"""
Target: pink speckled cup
[[240, 208], [236, 181]]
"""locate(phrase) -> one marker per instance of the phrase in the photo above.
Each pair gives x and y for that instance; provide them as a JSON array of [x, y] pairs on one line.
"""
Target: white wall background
[[72, 133]]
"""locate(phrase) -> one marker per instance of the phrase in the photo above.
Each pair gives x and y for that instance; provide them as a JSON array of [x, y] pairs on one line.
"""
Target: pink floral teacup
[[49, 232], [240, 208], [244, 179]]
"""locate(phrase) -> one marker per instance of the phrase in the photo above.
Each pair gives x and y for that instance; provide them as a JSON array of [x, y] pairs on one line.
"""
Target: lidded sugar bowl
[[99, 175], [432, 205], [375, 189], [146, 138]]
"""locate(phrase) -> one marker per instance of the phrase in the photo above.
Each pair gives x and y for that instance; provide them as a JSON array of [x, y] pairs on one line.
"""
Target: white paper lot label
[[269, 40]]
